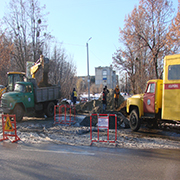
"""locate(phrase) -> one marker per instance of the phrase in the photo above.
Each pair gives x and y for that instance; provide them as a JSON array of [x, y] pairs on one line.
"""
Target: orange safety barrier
[[64, 120], [9, 127], [103, 123]]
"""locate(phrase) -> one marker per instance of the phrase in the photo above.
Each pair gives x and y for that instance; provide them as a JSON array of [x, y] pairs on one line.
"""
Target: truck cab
[[161, 98], [147, 105], [20, 100]]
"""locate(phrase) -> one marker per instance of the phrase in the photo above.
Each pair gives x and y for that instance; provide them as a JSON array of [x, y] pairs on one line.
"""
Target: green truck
[[28, 97]]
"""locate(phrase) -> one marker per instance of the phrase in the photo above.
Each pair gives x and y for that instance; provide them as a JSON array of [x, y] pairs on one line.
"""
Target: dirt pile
[[95, 106], [89, 107], [110, 100], [122, 108]]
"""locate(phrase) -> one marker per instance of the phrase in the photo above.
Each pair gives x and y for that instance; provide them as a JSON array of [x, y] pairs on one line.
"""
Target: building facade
[[105, 76]]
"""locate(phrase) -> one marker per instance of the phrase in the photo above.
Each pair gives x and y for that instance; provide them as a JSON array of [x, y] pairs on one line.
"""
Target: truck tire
[[19, 112], [50, 109], [135, 121]]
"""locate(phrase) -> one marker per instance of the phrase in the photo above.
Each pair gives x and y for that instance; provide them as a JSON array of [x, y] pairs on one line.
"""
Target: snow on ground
[[40, 131]]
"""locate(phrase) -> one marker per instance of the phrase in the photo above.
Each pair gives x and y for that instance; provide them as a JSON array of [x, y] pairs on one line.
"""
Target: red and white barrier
[[64, 118], [103, 123], [9, 127]]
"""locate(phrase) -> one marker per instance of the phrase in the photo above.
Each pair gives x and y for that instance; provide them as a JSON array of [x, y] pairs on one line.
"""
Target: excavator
[[13, 77]]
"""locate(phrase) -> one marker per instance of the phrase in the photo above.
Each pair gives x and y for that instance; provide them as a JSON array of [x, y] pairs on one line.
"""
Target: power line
[[74, 44], [97, 58]]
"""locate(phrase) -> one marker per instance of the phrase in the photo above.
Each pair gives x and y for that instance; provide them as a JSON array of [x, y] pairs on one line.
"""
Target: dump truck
[[28, 97], [160, 102]]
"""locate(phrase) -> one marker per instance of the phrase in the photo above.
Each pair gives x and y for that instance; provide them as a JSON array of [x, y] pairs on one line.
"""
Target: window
[[28, 89], [174, 72], [19, 88], [104, 74], [151, 88]]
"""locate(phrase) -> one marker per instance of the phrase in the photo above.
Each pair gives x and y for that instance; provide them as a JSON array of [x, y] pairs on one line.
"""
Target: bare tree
[[144, 40], [79, 85], [6, 47], [62, 70], [93, 89], [174, 33], [25, 23], [157, 13]]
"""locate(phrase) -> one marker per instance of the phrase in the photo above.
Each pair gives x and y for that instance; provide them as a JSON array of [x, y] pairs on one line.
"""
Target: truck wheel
[[134, 122], [19, 112], [50, 110]]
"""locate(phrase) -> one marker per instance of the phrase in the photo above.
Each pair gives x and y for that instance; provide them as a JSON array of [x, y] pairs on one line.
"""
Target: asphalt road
[[72, 162]]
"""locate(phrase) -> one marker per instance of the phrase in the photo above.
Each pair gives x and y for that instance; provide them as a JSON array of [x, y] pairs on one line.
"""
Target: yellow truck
[[161, 100]]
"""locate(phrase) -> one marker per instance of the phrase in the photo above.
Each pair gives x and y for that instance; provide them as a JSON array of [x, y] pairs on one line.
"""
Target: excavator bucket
[[41, 63]]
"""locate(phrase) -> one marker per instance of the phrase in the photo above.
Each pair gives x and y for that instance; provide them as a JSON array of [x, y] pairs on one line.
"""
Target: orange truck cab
[[160, 102]]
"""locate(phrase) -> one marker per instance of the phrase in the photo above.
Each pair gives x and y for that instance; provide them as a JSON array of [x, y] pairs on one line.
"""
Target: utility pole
[[88, 68]]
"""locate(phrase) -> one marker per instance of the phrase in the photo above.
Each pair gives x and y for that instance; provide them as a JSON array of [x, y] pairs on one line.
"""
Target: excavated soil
[[95, 107]]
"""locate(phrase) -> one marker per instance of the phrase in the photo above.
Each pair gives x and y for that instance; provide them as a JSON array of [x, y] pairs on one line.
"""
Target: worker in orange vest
[[116, 96]]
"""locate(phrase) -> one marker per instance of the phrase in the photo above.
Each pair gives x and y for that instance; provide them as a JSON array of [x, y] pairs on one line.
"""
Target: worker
[[116, 96], [74, 96], [106, 90], [104, 99]]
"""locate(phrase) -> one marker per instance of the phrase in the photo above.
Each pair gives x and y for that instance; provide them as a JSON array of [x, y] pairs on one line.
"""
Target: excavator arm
[[39, 63]]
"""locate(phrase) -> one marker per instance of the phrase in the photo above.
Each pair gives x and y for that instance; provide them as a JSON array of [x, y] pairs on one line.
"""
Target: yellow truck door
[[171, 88]]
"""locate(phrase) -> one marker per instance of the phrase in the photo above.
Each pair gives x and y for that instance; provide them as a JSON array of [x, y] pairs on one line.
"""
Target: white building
[[105, 76]]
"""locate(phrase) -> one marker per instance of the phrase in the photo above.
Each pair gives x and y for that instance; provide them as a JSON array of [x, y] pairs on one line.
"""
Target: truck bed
[[47, 94], [43, 94]]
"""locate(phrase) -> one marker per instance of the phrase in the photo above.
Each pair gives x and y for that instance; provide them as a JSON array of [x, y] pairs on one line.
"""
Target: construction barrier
[[9, 127], [103, 123], [64, 118]]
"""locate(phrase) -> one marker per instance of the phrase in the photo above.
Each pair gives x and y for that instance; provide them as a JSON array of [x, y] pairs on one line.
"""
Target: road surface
[[78, 162]]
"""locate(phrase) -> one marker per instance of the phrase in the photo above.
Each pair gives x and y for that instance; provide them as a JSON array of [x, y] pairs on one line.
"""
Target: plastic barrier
[[64, 119], [9, 127], [103, 123]]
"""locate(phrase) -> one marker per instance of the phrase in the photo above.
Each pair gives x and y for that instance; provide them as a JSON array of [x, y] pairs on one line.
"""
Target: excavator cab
[[13, 77]]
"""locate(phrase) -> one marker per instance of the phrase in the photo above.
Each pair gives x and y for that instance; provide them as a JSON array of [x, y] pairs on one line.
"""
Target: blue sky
[[73, 22]]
